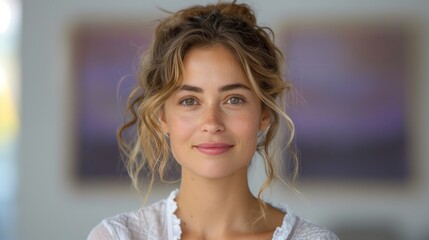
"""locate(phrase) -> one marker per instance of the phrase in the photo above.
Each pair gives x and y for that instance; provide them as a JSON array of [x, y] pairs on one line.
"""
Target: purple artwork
[[105, 61], [354, 79]]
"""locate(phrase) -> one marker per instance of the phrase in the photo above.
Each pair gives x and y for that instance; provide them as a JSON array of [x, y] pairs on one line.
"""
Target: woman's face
[[214, 117]]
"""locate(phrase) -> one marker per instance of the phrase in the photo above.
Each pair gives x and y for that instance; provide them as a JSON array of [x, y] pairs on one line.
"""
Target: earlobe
[[265, 121]]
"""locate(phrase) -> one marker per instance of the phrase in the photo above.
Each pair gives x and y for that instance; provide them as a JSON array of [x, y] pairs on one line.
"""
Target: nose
[[212, 121]]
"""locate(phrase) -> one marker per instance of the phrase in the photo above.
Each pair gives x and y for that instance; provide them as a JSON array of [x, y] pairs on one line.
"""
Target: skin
[[213, 120]]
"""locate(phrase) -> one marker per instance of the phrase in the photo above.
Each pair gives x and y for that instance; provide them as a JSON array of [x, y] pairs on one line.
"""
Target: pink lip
[[213, 148]]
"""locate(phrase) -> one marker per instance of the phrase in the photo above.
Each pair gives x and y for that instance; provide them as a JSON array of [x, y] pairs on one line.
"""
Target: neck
[[209, 207]]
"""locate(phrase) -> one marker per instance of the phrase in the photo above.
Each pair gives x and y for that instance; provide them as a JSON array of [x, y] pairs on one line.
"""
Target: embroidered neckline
[[175, 232], [283, 231]]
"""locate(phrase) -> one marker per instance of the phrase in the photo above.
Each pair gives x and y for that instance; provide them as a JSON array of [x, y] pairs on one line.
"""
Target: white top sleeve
[[109, 230]]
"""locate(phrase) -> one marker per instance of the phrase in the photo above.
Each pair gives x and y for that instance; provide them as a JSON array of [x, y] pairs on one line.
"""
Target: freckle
[[192, 216], [184, 224]]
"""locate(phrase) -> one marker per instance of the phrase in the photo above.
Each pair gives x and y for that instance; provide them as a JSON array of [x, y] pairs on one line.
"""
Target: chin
[[216, 173]]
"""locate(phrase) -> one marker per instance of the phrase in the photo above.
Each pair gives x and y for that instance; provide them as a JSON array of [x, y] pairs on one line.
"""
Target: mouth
[[213, 148]]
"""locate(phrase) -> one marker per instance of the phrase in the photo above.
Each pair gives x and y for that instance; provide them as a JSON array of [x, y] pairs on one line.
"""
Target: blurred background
[[360, 69]]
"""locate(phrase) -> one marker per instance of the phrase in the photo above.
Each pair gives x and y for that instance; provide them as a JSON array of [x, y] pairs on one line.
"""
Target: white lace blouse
[[158, 221]]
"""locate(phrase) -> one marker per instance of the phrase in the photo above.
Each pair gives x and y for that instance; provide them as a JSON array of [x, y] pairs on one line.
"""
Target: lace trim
[[175, 231], [289, 220]]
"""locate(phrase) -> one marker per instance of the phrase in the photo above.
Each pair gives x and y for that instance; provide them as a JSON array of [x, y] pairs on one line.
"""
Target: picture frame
[[105, 62], [351, 109]]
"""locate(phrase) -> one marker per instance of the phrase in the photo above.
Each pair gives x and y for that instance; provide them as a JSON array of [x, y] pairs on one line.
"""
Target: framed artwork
[[353, 82], [105, 62]]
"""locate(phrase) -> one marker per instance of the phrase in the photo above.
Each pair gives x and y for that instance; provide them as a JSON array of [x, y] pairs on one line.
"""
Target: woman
[[208, 94]]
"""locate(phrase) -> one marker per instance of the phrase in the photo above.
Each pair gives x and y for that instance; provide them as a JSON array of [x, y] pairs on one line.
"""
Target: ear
[[265, 119], [163, 120]]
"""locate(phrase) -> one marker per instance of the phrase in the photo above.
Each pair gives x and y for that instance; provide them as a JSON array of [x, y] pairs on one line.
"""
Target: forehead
[[214, 64]]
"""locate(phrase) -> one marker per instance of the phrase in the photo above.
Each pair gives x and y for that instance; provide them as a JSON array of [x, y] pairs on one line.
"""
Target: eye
[[235, 100], [188, 102]]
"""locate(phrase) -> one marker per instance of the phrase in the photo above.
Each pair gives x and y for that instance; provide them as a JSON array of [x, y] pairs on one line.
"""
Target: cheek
[[246, 124], [180, 126], [180, 129], [245, 127]]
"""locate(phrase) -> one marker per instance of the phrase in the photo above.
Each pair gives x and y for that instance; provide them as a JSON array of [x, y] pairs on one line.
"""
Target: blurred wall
[[52, 206]]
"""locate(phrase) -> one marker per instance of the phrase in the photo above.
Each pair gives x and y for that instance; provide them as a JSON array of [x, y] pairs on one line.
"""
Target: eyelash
[[241, 100], [184, 103]]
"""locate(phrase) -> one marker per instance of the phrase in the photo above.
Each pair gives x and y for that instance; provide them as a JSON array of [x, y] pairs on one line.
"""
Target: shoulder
[[297, 228], [305, 229], [146, 221], [112, 228]]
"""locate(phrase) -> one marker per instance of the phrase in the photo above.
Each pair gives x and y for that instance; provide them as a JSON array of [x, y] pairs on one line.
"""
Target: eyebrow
[[232, 87], [190, 88], [225, 88]]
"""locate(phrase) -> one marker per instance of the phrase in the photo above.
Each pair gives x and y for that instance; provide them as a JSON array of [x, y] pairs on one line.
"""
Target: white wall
[[51, 206]]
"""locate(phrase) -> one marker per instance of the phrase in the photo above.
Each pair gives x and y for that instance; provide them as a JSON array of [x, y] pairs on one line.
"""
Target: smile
[[213, 148]]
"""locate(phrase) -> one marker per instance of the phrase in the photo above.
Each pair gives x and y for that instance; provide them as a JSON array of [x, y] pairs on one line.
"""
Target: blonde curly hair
[[160, 72]]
